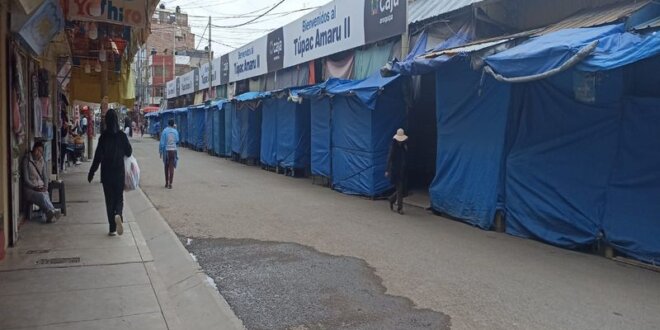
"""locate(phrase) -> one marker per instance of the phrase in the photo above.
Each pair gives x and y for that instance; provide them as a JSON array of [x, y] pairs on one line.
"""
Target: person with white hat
[[396, 168]]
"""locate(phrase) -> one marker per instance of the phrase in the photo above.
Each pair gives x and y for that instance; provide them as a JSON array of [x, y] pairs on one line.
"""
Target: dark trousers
[[169, 166], [114, 201], [397, 196]]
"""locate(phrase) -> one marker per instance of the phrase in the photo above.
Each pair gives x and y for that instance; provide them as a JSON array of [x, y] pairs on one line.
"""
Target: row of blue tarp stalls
[[352, 125], [285, 133], [197, 127], [246, 113], [561, 137]]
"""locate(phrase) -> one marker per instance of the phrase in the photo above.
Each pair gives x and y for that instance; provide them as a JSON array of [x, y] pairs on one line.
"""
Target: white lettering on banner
[[204, 78], [325, 31], [387, 6], [123, 12]]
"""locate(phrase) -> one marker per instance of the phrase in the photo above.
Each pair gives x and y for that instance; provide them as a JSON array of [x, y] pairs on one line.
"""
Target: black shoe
[[399, 211], [391, 206]]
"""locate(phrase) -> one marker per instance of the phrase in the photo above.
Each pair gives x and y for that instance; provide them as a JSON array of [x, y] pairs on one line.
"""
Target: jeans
[[41, 199]]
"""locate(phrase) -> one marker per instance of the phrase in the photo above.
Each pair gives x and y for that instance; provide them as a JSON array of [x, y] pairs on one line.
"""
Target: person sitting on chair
[[35, 182]]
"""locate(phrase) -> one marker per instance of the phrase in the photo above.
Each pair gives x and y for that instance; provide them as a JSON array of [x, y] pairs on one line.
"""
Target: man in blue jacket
[[169, 141]]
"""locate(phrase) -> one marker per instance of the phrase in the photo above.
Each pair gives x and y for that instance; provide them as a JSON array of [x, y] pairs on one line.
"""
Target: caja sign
[[384, 19], [122, 12]]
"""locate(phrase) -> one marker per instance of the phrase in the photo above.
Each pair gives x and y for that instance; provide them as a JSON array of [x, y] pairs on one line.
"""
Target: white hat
[[400, 135]]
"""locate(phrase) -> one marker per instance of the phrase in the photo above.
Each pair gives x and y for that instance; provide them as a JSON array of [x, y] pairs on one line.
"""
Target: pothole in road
[[289, 286]]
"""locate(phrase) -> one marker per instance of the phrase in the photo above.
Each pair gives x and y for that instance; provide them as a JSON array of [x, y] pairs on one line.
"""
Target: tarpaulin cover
[[471, 125], [320, 136], [366, 91], [631, 222], [362, 126], [181, 119], [225, 144], [413, 64], [199, 127], [209, 128], [269, 128], [246, 130], [318, 89], [219, 141], [559, 162], [293, 135], [615, 48], [190, 140]]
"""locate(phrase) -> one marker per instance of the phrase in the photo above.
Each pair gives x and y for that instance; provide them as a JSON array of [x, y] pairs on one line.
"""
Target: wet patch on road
[[290, 286]]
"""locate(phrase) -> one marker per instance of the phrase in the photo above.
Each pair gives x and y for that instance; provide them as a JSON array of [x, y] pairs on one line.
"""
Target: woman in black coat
[[112, 147], [396, 168]]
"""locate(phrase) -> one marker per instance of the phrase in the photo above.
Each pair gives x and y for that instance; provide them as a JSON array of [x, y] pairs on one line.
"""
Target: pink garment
[[342, 69]]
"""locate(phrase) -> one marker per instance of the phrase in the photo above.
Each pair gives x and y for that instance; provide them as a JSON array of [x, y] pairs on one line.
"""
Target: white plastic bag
[[132, 176]]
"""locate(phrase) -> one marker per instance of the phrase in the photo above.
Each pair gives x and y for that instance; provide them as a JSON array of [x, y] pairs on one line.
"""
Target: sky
[[233, 12]]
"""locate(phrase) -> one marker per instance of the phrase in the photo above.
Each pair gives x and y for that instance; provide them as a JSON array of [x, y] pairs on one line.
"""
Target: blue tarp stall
[[181, 119], [209, 128], [582, 145], [357, 125], [220, 128], [320, 137], [246, 125], [190, 124], [154, 123], [471, 119], [197, 126], [285, 133]]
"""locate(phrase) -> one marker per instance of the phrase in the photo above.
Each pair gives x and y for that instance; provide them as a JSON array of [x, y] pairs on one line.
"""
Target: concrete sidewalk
[[71, 275]]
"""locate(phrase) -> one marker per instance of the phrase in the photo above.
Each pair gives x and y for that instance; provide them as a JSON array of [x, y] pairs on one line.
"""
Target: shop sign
[[248, 61], [204, 76], [332, 28], [224, 69], [384, 19], [215, 75], [187, 85], [42, 26], [171, 89], [123, 12]]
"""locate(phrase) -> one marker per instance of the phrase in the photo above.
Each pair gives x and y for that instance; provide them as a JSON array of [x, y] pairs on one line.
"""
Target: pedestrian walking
[[35, 182], [169, 141], [396, 168], [112, 147], [83, 125]]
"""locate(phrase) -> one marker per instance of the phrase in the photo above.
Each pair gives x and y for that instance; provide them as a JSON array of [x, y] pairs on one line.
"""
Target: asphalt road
[[239, 217]]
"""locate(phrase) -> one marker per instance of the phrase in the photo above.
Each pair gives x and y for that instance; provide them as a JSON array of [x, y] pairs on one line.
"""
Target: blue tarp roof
[[218, 103], [197, 107], [366, 90], [615, 48], [180, 110], [251, 96], [318, 89]]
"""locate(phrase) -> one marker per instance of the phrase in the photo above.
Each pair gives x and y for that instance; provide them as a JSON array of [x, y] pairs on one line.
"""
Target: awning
[[149, 109], [366, 90], [590, 49]]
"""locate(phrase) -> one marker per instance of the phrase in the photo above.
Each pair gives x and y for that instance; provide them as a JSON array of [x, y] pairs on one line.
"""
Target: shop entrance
[[422, 130]]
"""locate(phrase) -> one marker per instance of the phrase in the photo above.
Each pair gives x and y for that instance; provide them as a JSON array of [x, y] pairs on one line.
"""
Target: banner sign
[[215, 75], [171, 91], [332, 28], [204, 76], [42, 26], [384, 19], [248, 61], [335, 27], [123, 12], [224, 69], [187, 83]]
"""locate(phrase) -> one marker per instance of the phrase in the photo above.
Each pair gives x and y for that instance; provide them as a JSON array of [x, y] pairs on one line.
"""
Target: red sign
[[122, 12]]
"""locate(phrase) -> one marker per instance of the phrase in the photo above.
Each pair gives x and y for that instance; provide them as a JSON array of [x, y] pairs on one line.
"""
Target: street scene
[[329, 164]]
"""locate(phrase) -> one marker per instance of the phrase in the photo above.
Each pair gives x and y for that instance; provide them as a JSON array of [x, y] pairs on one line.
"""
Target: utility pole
[[210, 96]]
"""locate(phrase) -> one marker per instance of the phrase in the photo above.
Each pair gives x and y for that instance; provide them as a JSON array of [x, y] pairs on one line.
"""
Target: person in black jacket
[[112, 147], [396, 168]]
